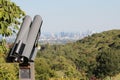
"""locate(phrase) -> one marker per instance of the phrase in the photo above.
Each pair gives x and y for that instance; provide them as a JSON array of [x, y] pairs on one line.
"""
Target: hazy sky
[[74, 15]]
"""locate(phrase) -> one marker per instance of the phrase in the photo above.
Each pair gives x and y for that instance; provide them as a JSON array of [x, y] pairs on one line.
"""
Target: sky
[[74, 15]]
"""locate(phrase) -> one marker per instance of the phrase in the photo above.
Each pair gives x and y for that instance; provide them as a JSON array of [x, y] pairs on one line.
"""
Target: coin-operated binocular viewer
[[25, 47]]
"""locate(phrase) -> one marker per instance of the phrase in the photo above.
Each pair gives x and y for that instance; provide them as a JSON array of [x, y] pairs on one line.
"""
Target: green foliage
[[10, 14], [79, 60], [43, 71], [3, 47], [108, 63], [8, 72], [95, 56], [59, 61]]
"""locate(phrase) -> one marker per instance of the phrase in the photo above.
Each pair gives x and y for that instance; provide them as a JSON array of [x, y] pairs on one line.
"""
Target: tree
[[43, 70], [10, 14], [108, 63], [8, 72]]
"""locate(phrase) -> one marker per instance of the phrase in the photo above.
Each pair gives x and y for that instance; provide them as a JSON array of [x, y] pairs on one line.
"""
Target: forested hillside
[[95, 56]]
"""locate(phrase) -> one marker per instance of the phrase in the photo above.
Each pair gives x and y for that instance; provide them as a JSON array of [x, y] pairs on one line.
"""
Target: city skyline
[[74, 15], [56, 38]]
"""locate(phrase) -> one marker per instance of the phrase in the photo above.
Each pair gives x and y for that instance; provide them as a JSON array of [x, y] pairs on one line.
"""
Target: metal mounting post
[[26, 72]]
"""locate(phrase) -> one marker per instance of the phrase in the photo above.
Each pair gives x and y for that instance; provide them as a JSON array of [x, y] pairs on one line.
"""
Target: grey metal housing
[[25, 45]]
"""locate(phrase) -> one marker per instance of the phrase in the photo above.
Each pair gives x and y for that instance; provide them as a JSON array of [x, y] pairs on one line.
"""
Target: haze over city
[[74, 15]]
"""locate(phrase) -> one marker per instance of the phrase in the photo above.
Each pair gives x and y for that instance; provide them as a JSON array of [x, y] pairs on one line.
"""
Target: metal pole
[[26, 72]]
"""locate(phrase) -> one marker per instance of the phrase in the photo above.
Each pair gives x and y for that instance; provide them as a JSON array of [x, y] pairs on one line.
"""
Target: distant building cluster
[[57, 38], [63, 37]]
